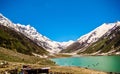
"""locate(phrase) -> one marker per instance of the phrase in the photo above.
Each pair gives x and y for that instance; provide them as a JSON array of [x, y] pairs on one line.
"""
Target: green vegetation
[[16, 41], [12, 56]]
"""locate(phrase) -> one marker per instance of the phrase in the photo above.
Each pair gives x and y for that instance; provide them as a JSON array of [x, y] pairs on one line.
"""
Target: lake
[[102, 63]]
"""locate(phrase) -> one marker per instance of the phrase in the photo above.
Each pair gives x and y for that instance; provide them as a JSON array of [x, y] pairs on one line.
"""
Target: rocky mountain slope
[[97, 40], [31, 33]]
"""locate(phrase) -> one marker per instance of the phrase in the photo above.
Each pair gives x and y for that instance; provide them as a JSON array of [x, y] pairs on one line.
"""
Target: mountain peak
[[96, 33], [3, 17]]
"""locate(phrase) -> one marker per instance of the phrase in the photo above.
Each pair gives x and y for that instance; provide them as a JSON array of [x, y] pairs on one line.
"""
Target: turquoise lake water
[[102, 63]]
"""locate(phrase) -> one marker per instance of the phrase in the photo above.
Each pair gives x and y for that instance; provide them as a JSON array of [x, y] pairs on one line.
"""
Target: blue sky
[[61, 20]]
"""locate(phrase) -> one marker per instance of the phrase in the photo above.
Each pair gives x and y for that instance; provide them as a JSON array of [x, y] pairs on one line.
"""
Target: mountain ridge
[[78, 46]]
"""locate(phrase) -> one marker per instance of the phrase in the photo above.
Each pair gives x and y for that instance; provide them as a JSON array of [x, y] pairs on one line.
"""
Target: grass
[[74, 70], [13, 56]]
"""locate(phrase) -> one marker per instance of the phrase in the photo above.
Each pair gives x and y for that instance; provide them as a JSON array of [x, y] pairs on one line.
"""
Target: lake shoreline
[[92, 54], [67, 55]]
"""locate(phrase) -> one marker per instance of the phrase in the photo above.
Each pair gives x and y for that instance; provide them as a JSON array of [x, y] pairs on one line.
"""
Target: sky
[[61, 20]]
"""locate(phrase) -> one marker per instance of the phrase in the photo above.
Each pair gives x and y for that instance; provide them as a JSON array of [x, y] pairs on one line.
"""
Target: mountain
[[108, 44], [17, 42], [101, 40], [36, 37]]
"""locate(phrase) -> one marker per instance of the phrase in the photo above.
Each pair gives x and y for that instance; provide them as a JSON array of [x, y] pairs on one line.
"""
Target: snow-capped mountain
[[91, 37], [31, 32], [94, 35], [108, 44]]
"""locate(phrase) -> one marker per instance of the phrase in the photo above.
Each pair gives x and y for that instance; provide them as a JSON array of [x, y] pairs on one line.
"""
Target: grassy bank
[[12, 56], [75, 70]]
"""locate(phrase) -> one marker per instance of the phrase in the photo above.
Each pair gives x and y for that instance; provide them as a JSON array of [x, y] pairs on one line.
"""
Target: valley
[[23, 45]]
